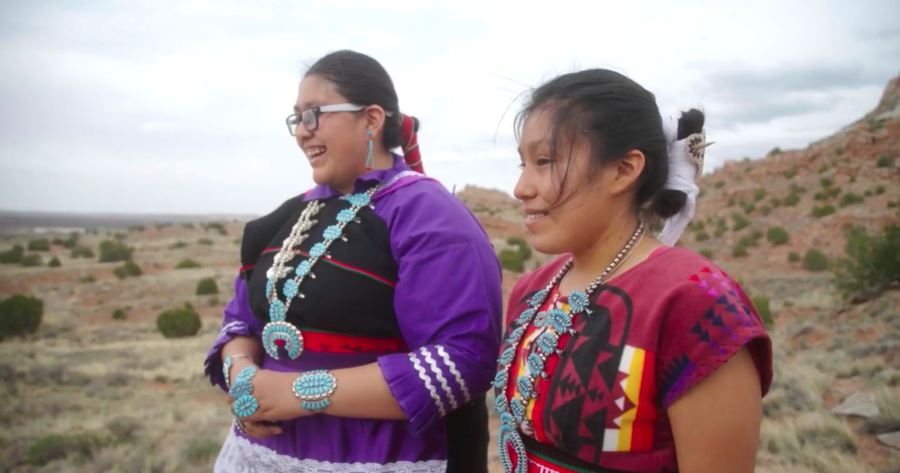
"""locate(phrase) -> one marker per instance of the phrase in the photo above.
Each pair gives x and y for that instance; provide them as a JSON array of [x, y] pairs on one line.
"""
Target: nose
[[301, 134], [525, 189]]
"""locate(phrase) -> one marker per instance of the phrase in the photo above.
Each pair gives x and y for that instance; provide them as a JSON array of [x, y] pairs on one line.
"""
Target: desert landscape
[[97, 388]]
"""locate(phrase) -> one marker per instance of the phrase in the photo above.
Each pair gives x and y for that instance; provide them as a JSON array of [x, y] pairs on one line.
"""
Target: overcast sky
[[179, 106]]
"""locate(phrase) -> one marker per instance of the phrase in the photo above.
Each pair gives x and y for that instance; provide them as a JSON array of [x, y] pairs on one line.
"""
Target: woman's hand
[[273, 391]]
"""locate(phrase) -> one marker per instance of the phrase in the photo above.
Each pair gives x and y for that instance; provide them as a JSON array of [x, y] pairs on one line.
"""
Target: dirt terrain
[[93, 393]]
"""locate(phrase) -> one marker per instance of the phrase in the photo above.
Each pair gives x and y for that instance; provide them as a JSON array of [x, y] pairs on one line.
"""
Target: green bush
[[761, 303], [39, 244], [884, 162], [777, 236], [129, 269], [879, 190], [81, 252], [794, 257], [20, 315], [702, 235], [187, 263], [511, 260], [760, 194], [815, 260], [739, 251], [850, 198], [218, 227], [178, 323], [790, 173], [791, 200], [177, 245], [826, 182], [76, 447], [112, 251], [740, 222], [207, 286], [118, 314], [32, 260], [706, 253], [873, 261], [205, 241], [823, 211], [524, 250], [719, 184], [54, 262], [13, 255]]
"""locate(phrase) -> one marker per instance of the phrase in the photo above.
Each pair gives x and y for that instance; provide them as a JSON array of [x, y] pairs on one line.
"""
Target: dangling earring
[[370, 159]]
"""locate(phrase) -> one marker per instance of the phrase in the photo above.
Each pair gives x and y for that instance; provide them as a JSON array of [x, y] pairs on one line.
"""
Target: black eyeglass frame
[[310, 116]]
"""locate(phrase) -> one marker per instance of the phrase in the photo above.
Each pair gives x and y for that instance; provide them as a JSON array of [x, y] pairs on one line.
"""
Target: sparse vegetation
[[20, 315], [823, 211], [850, 198], [129, 269], [522, 245], [81, 252], [112, 251], [740, 222], [39, 244], [177, 245], [759, 195], [872, 263], [204, 241], [13, 255], [702, 235], [187, 263], [179, 323], [511, 260], [54, 262], [119, 314], [207, 286], [777, 236], [761, 303], [794, 257], [706, 253], [30, 261], [885, 162], [815, 260]]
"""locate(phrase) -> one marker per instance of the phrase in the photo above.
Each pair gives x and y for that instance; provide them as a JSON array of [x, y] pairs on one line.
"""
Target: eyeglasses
[[310, 117]]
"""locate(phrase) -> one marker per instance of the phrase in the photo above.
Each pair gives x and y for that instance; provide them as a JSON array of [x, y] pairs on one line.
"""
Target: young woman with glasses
[[626, 353], [366, 318]]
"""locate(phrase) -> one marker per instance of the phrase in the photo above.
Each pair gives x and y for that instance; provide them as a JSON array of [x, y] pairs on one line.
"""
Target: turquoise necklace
[[512, 413], [279, 333]]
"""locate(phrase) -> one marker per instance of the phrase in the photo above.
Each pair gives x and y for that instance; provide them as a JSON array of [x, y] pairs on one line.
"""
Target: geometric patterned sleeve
[[238, 321], [709, 319]]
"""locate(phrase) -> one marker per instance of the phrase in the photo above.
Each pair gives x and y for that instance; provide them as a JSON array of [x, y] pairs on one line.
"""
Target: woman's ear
[[375, 116], [627, 171]]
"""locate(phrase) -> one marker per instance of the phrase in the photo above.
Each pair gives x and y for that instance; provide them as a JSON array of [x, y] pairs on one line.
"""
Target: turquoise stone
[[333, 232], [525, 388], [317, 250], [501, 378], [277, 310], [578, 302], [303, 268], [535, 364], [240, 389], [346, 215], [547, 342], [559, 320], [538, 297], [315, 406], [525, 316], [245, 406], [245, 375], [290, 289], [500, 404], [507, 356]]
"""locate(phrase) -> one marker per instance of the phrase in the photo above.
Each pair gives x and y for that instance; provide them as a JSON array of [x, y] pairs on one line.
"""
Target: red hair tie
[[411, 153]]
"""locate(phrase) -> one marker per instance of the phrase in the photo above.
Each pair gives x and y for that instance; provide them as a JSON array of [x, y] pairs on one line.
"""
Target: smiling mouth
[[535, 216], [314, 152]]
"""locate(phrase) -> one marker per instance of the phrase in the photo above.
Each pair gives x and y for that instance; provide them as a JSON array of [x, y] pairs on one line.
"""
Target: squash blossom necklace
[[512, 413], [279, 333]]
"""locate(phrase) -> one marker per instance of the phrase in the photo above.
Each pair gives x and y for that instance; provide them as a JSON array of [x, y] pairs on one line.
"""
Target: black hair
[[363, 80], [615, 115]]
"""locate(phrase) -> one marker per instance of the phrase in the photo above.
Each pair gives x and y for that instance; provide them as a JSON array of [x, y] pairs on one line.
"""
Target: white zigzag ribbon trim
[[234, 324], [450, 364], [424, 376], [440, 376]]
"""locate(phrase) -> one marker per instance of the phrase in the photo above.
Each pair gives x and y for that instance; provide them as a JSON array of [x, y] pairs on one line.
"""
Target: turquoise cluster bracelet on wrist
[[314, 388], [226, 367], [242, 393]]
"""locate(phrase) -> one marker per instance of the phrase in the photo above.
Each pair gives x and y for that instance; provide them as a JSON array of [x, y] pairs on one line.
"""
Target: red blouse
[[655, 331]]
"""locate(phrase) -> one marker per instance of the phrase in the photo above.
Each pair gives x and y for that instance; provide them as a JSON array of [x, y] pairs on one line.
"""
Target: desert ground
[[98, 389]]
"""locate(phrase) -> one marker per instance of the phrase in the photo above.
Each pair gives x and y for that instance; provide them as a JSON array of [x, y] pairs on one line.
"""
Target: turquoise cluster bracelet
[[314, 388], [244, 402], [226, 367]]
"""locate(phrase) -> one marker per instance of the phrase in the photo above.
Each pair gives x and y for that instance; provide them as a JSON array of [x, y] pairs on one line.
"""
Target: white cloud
[[178, 106]]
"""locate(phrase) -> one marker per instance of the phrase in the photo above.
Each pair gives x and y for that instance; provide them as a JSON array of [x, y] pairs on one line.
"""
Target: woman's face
[[338, 146], [589, 207]]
